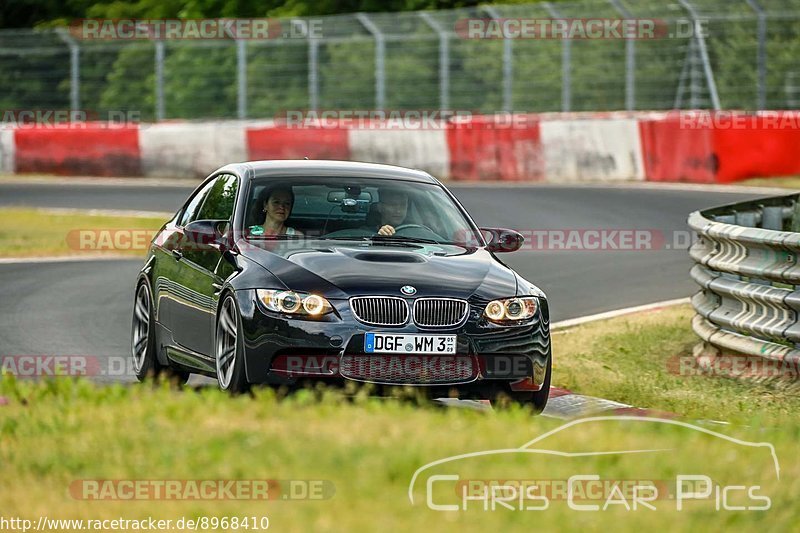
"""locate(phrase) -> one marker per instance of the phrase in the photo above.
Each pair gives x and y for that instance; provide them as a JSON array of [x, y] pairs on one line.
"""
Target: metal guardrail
[[746, 263]]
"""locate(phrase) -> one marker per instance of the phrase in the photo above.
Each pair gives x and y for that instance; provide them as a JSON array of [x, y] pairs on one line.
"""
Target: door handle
[[177, 254]]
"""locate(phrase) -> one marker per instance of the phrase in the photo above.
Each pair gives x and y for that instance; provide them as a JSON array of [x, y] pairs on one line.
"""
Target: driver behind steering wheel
[[393, 208]]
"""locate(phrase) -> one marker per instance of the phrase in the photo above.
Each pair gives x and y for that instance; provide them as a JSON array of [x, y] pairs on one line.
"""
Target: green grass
[[60, 431], [632, 360], [787, 182], [33, 233]]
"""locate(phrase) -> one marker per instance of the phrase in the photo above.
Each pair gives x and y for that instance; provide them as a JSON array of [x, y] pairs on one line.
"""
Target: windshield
[[355, 208]]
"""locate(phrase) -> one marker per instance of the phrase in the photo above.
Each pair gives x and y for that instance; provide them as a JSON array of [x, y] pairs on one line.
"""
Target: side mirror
[[502, 240], [206, 234]]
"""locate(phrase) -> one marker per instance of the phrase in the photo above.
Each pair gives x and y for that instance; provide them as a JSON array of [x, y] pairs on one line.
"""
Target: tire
[[143, 333], [143, 336], [229, 348]]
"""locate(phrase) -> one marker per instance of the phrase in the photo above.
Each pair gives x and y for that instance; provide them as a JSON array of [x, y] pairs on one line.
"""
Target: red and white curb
[[565, 405]]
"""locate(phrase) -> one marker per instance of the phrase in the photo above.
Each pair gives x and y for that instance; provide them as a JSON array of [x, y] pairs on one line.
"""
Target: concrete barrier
[[700, 147], [423, 149], [484, 149], [191, 149], [7, 149], [278, 141], [592, 150], [90, 150]]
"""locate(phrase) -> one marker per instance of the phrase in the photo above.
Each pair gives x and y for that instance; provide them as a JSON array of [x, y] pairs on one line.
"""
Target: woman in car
[[277, 207]]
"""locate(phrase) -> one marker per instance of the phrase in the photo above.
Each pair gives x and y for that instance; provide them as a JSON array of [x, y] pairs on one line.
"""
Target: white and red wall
[[559, 148]]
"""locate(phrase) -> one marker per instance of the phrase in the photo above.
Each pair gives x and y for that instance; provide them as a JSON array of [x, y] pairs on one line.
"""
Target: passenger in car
[[277, 206]]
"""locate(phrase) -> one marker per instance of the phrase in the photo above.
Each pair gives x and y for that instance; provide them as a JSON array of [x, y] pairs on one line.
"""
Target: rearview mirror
[[337, 197], [502, 240]]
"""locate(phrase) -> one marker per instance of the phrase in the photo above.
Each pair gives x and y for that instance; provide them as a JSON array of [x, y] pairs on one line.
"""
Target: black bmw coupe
[[278, 272]]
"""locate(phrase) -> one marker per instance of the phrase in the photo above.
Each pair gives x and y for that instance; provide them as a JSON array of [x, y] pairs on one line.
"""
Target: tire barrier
[[746, 264]]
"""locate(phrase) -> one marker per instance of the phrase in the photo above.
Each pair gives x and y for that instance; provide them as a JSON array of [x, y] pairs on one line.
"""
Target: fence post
[[444, 60], [241, 78], [761, 55], [313, 73], [566, 63], [74, 69], [701, 44], [380, 58], [630, 60], [682, 80], [508, 63], [159, 80]]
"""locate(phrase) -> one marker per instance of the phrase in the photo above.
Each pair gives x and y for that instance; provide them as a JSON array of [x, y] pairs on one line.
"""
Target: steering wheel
[[406, 226]]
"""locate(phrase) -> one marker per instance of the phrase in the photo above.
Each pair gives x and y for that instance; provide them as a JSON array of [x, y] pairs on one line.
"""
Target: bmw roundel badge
[[408, 290]]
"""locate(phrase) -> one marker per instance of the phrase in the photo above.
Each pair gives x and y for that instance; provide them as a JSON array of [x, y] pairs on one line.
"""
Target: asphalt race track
[[84, 308]]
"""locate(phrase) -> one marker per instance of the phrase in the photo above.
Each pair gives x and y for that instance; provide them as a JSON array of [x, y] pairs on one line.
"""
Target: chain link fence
[[718, 54]]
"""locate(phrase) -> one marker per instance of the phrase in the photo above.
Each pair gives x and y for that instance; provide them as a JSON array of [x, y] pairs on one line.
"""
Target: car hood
[[345, 269]]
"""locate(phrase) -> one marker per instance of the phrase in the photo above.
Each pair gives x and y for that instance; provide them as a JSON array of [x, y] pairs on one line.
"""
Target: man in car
[[393, 207]]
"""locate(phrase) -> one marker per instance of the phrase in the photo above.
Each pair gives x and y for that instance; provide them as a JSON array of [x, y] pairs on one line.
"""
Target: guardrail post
[[566, 63], [746, 219], [444, 60], [380, 58], [795, 222], [772, 218]]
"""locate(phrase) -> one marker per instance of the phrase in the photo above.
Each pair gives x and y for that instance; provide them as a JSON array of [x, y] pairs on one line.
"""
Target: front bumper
[[281, 350]]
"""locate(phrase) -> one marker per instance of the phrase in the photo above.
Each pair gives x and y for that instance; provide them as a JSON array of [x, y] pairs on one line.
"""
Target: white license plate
[[401, 343]]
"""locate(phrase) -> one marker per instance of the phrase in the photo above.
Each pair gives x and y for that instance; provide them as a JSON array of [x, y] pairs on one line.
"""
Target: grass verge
[[38, 233], [636, 359], [786, 182], [58, 434]]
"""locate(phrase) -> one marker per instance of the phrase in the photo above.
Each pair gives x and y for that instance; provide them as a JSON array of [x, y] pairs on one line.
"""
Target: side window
[[220, 200], [194, 204]]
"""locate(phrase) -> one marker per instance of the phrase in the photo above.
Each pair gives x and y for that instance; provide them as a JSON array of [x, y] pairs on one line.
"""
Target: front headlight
[[294, 303], [511, 309]]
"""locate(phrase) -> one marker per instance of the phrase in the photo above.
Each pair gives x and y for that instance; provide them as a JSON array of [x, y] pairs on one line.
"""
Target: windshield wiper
[[281, 237], [399, 239], [380, 239]]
